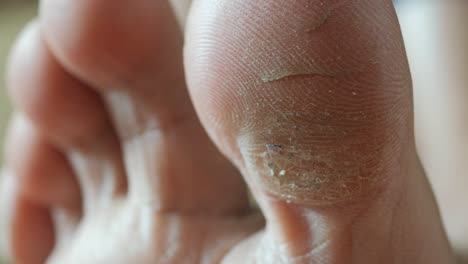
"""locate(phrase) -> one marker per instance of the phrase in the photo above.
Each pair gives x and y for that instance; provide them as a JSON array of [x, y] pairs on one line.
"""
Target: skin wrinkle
[[282, 254], [312, 254], [326, 15], [310, 70]]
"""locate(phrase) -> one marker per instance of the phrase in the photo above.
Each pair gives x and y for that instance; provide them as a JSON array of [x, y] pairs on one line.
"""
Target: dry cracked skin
[[312, 163]]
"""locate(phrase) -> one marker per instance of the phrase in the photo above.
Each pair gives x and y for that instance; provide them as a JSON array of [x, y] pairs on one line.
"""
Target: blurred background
[[436, 40], [14, 14]]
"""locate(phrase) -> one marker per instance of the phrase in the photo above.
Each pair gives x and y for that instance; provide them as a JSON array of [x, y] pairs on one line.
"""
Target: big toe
[[313, 103]]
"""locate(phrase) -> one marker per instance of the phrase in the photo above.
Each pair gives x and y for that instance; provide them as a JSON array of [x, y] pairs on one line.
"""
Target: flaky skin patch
[[309, 163]]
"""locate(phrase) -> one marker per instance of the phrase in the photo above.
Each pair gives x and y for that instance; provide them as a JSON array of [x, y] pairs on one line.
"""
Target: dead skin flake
[[284, 73], [273, 148]]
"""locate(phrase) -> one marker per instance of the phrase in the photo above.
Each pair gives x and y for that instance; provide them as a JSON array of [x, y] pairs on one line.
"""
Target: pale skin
[[132, 137]]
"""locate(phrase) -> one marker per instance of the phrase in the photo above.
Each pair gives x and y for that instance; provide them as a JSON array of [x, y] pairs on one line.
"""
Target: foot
[[110, 162], [311, 101]]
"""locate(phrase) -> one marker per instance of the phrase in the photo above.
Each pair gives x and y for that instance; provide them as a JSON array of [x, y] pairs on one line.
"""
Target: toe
[[44, 175], [44, 184], [68, 114], [32, 237], [313, 103], [169, 160], [49, 96], [340, 100]]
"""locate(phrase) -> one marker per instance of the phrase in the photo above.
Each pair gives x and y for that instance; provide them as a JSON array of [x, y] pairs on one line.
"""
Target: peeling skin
[[309, 166], [285, 73], [273, 147], [299, 174]]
